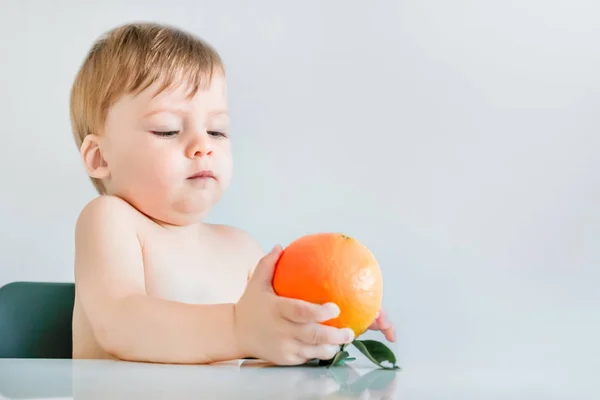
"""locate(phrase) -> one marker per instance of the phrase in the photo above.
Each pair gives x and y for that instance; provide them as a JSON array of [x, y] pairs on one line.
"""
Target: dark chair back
[[35, 320]]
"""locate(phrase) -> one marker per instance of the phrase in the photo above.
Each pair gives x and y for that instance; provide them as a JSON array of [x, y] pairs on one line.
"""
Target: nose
[[199, 146]]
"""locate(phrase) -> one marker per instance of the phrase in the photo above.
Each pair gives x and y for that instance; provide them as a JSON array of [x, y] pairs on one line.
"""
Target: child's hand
[[383, 324], [282, 330]]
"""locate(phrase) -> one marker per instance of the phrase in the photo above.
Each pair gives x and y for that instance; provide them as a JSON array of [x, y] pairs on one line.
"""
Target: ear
[[93, 160]]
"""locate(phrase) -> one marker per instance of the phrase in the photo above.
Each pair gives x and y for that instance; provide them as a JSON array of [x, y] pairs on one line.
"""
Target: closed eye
[[165, 133], [217, 134]]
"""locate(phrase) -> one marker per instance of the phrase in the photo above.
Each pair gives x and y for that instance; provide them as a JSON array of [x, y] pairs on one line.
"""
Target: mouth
[[205, 174]]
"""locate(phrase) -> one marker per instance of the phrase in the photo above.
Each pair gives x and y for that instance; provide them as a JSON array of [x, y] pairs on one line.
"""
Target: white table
[[103, 379], [107, 380]]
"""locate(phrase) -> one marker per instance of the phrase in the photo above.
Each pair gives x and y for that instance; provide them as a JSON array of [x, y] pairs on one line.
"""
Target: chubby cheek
[[223, 164], [160, 170], [149, 170]]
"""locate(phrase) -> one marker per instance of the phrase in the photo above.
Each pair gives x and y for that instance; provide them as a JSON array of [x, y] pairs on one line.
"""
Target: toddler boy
[[153, 281]]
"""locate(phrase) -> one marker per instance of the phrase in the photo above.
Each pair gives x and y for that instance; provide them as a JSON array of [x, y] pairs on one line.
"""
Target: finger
[[263, 272], [316, 334], [374, 326], [321, 352], [304, 312], [384, 322], [386, 327], [381, 322], [389, 333], [383, 317], [291, 359]]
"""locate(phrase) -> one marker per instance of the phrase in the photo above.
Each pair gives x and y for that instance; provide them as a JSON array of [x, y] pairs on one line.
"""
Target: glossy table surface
[[99, 379]]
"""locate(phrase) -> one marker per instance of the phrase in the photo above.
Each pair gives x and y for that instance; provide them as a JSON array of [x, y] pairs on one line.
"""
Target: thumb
[[263, 272]]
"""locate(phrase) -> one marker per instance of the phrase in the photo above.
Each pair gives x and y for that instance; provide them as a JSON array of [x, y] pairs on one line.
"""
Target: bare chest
[[197, 274]]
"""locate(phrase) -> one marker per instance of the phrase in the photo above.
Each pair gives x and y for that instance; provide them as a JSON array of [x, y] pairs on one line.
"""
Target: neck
[[192, 227]]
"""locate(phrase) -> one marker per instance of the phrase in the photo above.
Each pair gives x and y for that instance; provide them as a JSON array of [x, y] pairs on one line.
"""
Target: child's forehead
[[211, 96], [181, 87]]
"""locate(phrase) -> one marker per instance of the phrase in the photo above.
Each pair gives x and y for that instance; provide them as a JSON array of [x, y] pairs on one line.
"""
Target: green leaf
[[340, 358], [377, 352]]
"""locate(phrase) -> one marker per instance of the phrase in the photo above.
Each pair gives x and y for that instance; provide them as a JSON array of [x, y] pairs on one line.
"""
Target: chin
[[187, 210], [192, 208]]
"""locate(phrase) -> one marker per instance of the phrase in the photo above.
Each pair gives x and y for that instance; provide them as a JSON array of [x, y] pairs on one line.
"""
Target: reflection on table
[[100, 379]]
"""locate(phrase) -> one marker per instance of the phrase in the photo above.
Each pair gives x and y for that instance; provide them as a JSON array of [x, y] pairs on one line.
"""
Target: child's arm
[[130, 325], [127, 323]]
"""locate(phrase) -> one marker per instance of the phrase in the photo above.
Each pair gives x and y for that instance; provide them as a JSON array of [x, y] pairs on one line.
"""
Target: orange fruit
[[332, 267]]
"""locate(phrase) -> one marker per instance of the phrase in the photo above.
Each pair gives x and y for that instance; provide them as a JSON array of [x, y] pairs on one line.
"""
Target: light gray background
[[459, 140]]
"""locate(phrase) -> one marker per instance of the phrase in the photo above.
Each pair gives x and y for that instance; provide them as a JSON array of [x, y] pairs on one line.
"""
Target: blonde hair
[[128, 59]]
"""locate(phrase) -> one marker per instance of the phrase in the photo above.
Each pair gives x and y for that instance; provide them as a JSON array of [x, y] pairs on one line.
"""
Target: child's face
[[154, 146]]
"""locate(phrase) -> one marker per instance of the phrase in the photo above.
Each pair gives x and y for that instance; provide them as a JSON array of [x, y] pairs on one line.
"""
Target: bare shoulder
[[244, 243], [108, 255], [105, 222], [106, 236], [105, 210]]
